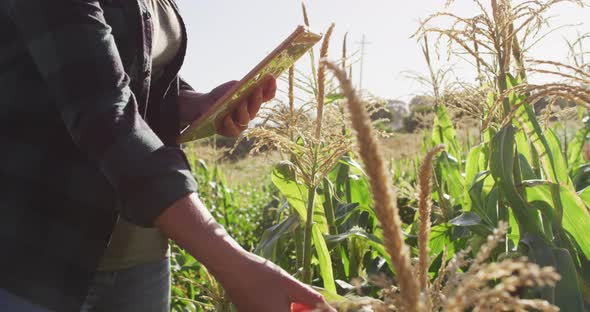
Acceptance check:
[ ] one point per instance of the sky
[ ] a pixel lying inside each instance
(228, 37)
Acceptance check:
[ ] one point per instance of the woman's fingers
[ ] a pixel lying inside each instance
(307, 299)
(306, 296)
(236, 122)
(255, 101)
(241, 115)
(270, 89)
(220, 90)
(229, 127)
(264, 93)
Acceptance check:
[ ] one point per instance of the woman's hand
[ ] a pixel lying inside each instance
(193, 105)
(263, 286)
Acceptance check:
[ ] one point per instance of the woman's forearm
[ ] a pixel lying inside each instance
(192, 104)
(192, 227)
(253, 283)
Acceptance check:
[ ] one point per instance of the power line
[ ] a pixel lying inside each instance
(363, 43)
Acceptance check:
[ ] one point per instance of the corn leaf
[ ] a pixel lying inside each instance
(567, 293)
(472, 168)
(323, 255)
(440, 236)
(330, 296)
(448, 172)
(546, 144)
(581, 176)
(484, 198)
(473, 222)
(585, 196)
(502, 166)
(576, 218)
(375, 242)
(576, 146)
(268, 242)
(443, 132)
(296, 194)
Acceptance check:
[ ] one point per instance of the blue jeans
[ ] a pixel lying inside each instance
(143, 288)
(12, 303)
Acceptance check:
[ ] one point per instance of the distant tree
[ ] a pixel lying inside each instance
(421, 103)
(391, 114)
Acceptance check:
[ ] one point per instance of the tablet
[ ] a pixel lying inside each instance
(275, 63)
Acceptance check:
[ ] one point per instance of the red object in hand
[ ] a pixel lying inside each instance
(299, 307)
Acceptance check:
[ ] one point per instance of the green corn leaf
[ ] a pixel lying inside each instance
(512, 82)
(440, 237)
(580, 176)
(540, 252)
(351, 183)
(523, 145)
(514, 231)
(359, 186)
(443, 132)
(340, 175)
(554, 154)
(479, 184)
(356, 168)
(472, 168)
(330, 296)
(360, 192)
(502, 166)
(323, 254)
(582, 263)
(526, 171)
(484, 198)
(473, 222)
(345, 262)
(333, 97)
(345, 211)
(576, 146)
(448, 171)
(538, 195)
(567, 293)
(296, 194)
(585, 196)
(546, 145)
(551, 160)
(466, 219)
(373, 240)
(268, 242)
(576, 218)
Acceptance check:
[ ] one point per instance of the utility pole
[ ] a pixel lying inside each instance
(363, 43)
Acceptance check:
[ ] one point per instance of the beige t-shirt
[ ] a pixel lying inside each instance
(167, 36)
(132, 245)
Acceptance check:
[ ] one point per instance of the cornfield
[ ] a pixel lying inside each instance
(498, 224)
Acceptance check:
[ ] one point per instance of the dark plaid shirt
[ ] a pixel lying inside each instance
(84, 136)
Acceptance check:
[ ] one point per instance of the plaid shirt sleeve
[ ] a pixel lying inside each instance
(75, 53)
(184, 85)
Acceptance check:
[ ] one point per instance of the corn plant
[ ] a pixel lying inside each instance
(326, 223)
(518, 174)
(450, 291)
